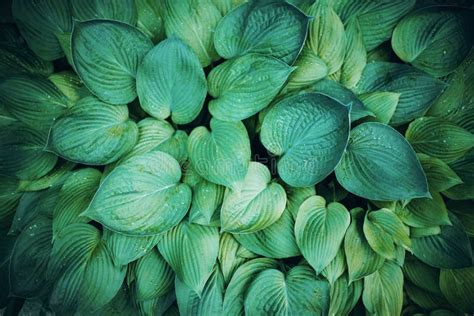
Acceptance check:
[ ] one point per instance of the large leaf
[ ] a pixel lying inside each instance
(93, 132)
(319, 231)
(119, 10)
(254, 205)
(377, 157)
(417, 89)
(222, 154)
(298, 292)
(40, 22)
(439, 175)
(160, 80)
(193, 21)
(142, 196)
(17, 61)
(106, 55)
(273, 28)
(309, 132)
(434, 39)
(458, 287)
(243, 86)
(191, 250)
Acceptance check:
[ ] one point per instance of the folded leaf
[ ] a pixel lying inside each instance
(229, 259)
(309, 69)
(207, 199)
(118, 10)
(382, 104)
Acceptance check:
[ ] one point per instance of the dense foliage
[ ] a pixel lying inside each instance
(225, 157)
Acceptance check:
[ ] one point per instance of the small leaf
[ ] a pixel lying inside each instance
(309, 69)
(207, 199)
(229, 259)
(439, 175)
(382, 104)
(336, 268)
(355, 57)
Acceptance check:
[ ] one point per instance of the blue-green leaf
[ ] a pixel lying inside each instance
(118, 10)
(344, 296)
(17, 61)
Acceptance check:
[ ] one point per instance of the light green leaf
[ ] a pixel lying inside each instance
(193, 21)
(355, 57)
(296, 197)
(344, 296)
(236, 290)
(160, 80)
(229, 259)
(417, 89)
(434, 39)
(383, 290)
(298, 292)
(207, 199)
(93, 132)
(150, 20)
(222, 154)
(361, 259)
(426, 212)
(243, 86)
(273, 28)
(15, 61)
(439, 138)
(458, 287)
(383, 104)
(40, 21)
(118, 10)
(142, 196)
(225, 6)
(377, 157)
(22, 153)
(319, 231)
(191, 250)
(439, 175)
(254, 205)
(309, 132)
(106, 55)
(309, 69)
(70, 85)
(336, 267)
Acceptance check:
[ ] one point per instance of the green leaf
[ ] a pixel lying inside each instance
(361, 259)
(118, 10)
(209, 303)
(417, 89)
(383, 290)
(309, 69)
(228, 257)
(309, 132)
(344, 296)
(254, 205)
(70, 85)
(191, 250)
(336, 267)
(458, 288)
(142, 196)
(225, 6)
(193, 21)
(319, 231)
(439, 175)
(22, 153)
(32, 99)
(74, 198)
(207, 199)
(464, 169)
(40, 22)
(299, 292)
(462, 209)
(15, 61)
(383, 104)
(222, 154)
(93, 132)
(159, 82)
(150, 20)
(450, 249)
(434, 39)
(377, 157)
(422, 275)
(152, 275)
(439, 138)
(106, 55)
(9, 198)
(243, 86)
(426, 212)
(273, 28)
(355, 57)
(86, 278)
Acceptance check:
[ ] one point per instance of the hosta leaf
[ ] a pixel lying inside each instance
(222, 154)
(142, 196)
(426, 212)
(22, 153)
(150, 20)
(462, 209)
(56, 176)
(298, 292)
(159, 82)
(296, 197)
(86, 278)
(193, 21)
(152, 275)
(336, 267)
(434, 39)
(207, 198)
(361, 259)
(93, 132)
(256, 204)
(319, 231)
(309, 132)
(40, 21)
(17, 61)
(106, 55)
(464, 169)
(236, 290)
(439, 175)
(74, 198)
(383, 290)
(417, 89)
(458, 288)
(382, 104)
(450, 249)
(422, 275)
(9, 198)
(309, 69)
(243, 86)
(209, 303)
(377, 157)
(229, 259)
(118, 10)
(355, 57)
(344, 296)
(191, 250)
(272, 28)
(70, 85)
(439, 138)
(225, 6)
(32, 99)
